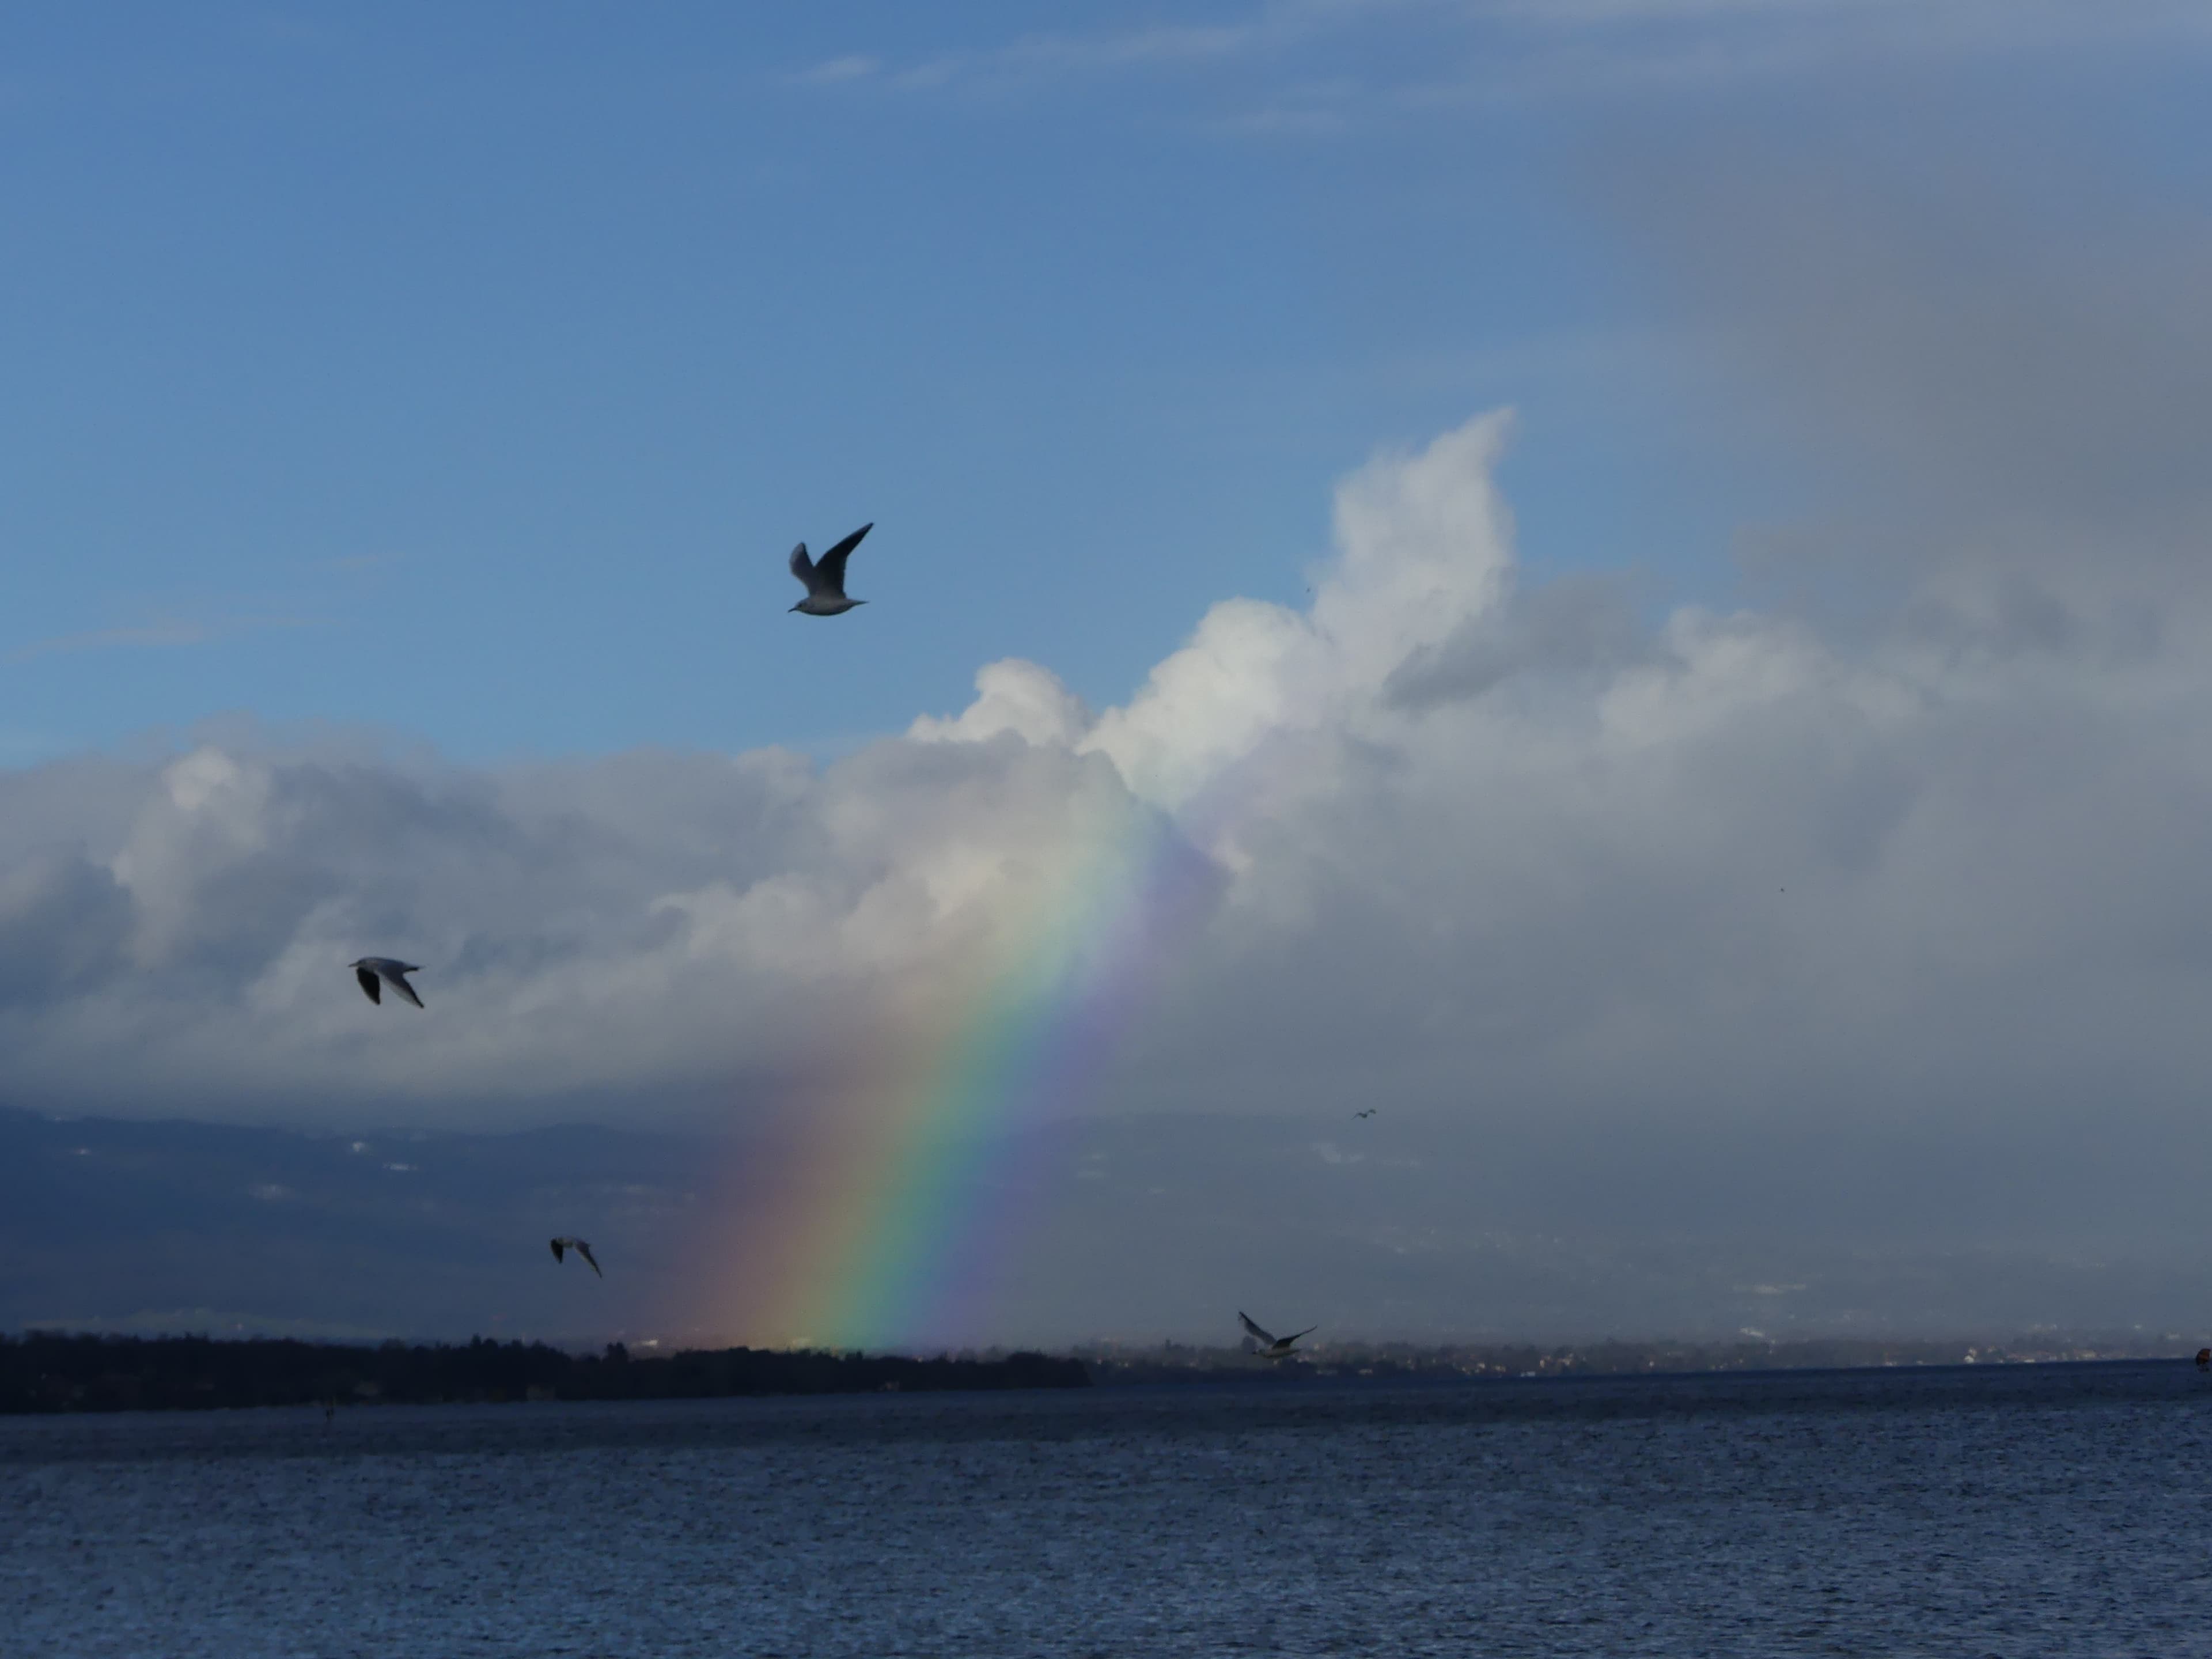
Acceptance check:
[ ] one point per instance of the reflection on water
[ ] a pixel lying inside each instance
(2014, 1511)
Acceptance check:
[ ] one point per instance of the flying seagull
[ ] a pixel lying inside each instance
(1370, 1112)
(370, 970)
(1276, 1348)
(825, 577)
(580, 1248)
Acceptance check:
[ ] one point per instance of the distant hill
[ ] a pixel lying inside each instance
(181, 1227)
(1131, 1229)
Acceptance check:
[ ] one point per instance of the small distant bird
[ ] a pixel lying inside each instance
(1370, 1112)
(825, 577)
(580, 1248)
(1272, 1346)
(370, 970)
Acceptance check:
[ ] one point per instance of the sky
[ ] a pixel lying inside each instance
(1603, 576)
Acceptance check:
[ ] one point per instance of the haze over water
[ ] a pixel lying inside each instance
(2014, 1510)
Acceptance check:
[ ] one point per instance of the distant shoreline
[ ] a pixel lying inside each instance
(47, 1372)
(1114, 1365)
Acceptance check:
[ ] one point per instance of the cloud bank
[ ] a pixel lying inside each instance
(1501, 854)
(660, 928)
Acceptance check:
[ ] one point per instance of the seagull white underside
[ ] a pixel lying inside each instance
(373, 972)
(824, 578)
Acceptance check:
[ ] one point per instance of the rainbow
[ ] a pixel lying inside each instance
(892, 1207)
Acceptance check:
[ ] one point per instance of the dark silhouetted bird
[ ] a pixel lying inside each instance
(1272, 1346)
(370, 970)
(580, 1248)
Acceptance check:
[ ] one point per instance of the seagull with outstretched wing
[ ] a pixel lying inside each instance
(1271, 1346)
(374, 972)
(580, 1248)
(825, 577)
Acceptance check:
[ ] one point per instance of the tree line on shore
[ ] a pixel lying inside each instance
(57, 1371)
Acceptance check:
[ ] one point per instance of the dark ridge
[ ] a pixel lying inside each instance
(52, 1371)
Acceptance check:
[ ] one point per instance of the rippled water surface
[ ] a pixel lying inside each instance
(2024, 1510)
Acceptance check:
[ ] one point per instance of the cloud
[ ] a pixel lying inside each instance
(1011, 697)
(856, 67)
(1423, 549)
(1396, 56)
(1047, 56)
(2002, 325)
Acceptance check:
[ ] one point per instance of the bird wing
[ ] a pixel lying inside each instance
(585, 1251)
(556, 1244)
(830, 567)
(366, 977)
(1253, 1328)
(802, 567)
(1295, 1335)
(398, 978)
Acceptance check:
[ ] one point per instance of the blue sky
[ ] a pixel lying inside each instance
(469, 371)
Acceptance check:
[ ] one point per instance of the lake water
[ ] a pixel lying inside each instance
(2012, 1511)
